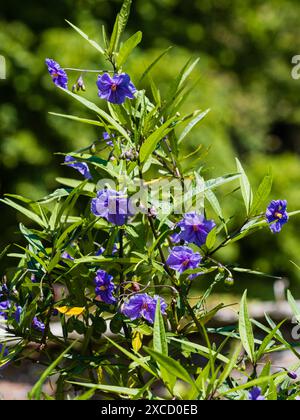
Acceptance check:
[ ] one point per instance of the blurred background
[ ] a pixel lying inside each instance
(244, 76)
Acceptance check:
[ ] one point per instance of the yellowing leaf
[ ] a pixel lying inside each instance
(66, 310)
(137, 341)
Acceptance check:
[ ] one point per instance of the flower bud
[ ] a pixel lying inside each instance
(229, 281)
(292, 375)
(79, 85)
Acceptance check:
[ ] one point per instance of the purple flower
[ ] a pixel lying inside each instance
(81, 167)
(66, 256)
(277, 215)
(194, 228)
(112, 206)
(183, 258)
(107, 137)
(115, 89)
(34, 279)
(105, 287)
(101, 250)
(17, 314)
(255, 394)
(59, 76)
(143, 306)
(38, 325)
(4, 308)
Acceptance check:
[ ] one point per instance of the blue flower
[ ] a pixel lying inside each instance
(66, 256)
(107, 137)
(194, 228)
(59, 76)
(4, 308)
(115, 89)
(143, 306)
(277, 215)
(112, 206)
(18, 312)
(38, 325)
(255, 394)
(183, 258)
(101, 250)
(81, 167)
(105, 287)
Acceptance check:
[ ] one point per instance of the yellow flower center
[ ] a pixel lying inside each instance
(278, 215)
(103, 288)
(114, 87)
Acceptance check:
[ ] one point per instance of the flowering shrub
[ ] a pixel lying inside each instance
(114, 257)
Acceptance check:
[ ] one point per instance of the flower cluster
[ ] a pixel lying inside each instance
(113, 89)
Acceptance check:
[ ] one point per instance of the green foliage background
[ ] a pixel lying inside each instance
(244, 76)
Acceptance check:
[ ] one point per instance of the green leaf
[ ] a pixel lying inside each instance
(230, 366)
(262, 193)
(90, 105)
(120, 390)
(3, 253)
(267, 341)
(192, 124)
(159, 334)
(140, 361)
(202, 350)
(245, 187)
(128, 47)
(211, 239)
(150, 67)
(151, 142)
(85, 36)
(28, 213)
(171, 365)
(119, 26)
(245, 328)
(33, 239)
(78, 119)
(293, 305)
(36, 391)
(57, 194)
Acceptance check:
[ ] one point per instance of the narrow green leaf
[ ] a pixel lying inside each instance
(85, 36)
(78, 119)
(119, 26)
(192, 124)
(293, 305)
(151, 142)
(28, 213)
(90, 105)
(267, 341)
(245, 187)
(245, 328)
(262, 193)
(140, 361)
(202, 350)
(120, 390)
(211, 239)
(171, 365)
(128, 47)
(36, 391)
(150, 67)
